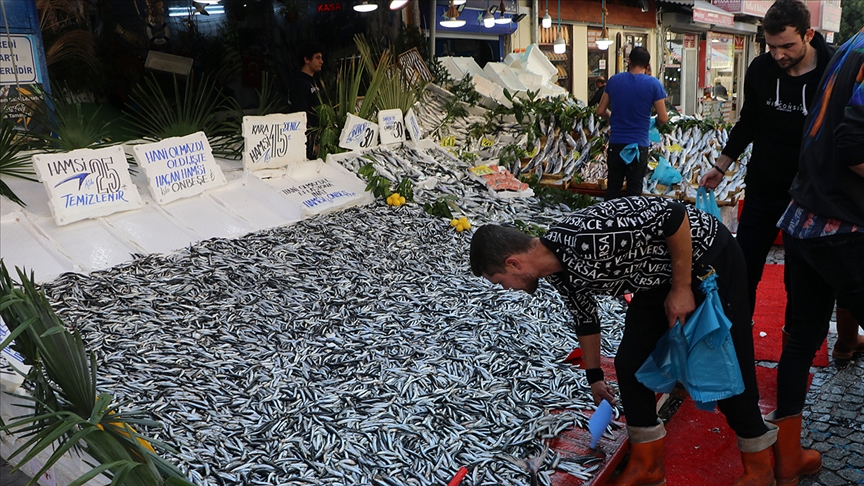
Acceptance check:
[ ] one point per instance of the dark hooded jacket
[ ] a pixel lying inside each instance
(834, 141)
(775, 107)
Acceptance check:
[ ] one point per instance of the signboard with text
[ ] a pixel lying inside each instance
(274, 140)
(756, 8)
(392, 126)
(358, 134)
(712, 15)
(179, 167)
(87, 183)
(412, 126)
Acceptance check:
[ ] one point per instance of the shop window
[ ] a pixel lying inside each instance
(672, 60)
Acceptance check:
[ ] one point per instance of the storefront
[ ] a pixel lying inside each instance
(473, 38)
(706, 52)
(581, 24)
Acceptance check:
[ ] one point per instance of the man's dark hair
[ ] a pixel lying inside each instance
(640, 56)
(787, 13)
(492, 245)
(308, 51)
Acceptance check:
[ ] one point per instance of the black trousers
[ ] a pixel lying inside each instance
(646, 322)
(818, 270)
(634, 172)
(757, 230)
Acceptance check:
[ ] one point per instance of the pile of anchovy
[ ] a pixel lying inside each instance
(351, 348)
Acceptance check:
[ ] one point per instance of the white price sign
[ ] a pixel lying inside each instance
(392, 126)
(179, 167)
(412, 126)
(358, 134)
(273, 141)
(87, 183)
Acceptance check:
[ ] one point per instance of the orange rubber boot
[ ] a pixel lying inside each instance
(756, 457)
(791, 461)
(645, 466)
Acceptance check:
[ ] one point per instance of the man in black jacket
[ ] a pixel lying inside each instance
(824, 243)
(779, 88)
(303, 91)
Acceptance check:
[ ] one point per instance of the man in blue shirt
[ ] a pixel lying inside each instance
(631, 95)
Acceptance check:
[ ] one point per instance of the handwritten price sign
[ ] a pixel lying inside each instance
(273, 141)
(358, 134)
(392, 126)
(412, 125)
(87, 183)
(179, 167)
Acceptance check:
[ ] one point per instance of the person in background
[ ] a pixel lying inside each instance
(823, 239)
(779, 88)
(655, 248)
(720, 90)
(627, 102)
(303, 91)
(600, 82)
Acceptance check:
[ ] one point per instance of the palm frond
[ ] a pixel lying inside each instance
(12, 162)
(67, 413)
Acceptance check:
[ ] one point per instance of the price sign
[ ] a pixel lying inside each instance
(448, 141)
(412, 126)
(392, 126)
(486, 142)
(274, 140)
(87, 183)
(358, 134)
(179, 167)
(481, 170)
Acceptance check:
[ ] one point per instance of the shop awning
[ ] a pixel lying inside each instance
(706, 13)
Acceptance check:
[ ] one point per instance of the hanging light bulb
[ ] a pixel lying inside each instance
(502, 19)
(452, 18)
(365, 6)
(459, 2)
(547, 19)
(488, 17)
(604, 41)
(397, 4)
(559, 47)
(488, 20)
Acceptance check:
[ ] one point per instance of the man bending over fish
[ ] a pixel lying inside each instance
(654, 248)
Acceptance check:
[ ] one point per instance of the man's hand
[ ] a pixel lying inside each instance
(601, 391)
(679, 304)
(713, 177)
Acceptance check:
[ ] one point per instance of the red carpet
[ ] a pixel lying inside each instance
(769, 318)
(701, 445)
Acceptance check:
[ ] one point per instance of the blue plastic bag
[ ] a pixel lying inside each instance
(665, 174)
(653, 132)
(599, 421)
(629, 153)
(706, 201)
(700, 355)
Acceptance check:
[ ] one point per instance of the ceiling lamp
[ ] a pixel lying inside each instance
(397, 4)
(559, 47)
(604, 41)
(502, 19)
(459, 2)
(365, 6)
(452, 18)
(488, 17)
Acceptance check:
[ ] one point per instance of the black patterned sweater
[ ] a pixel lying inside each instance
(619, 247)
